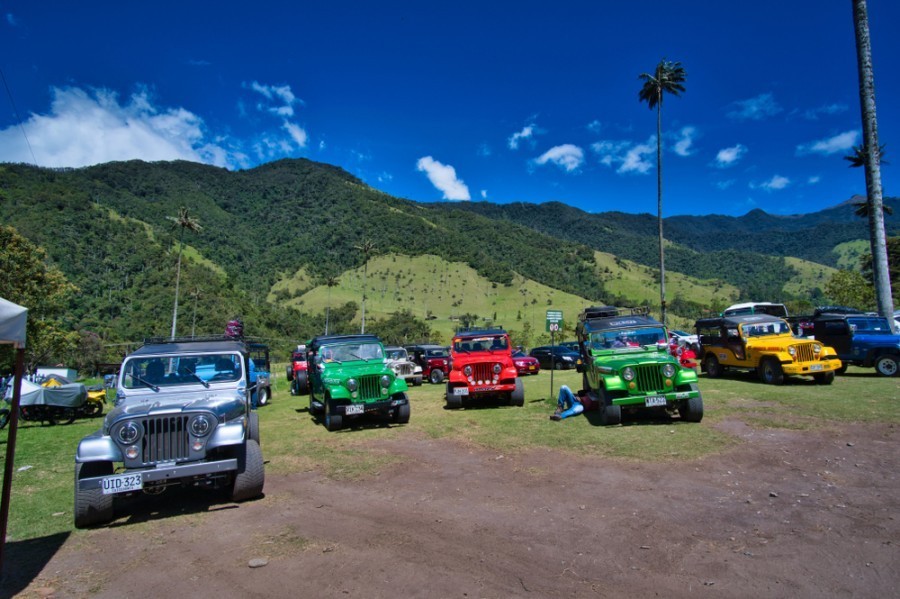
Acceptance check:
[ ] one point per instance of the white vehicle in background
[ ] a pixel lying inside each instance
(397, 358)
(779, 310)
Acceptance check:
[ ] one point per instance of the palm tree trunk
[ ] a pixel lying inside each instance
(177, 282)
(659, 210)
(877, 239)
(365, 273)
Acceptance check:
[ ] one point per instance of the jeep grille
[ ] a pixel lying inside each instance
(804, 353)
(370, 386)
(649, 378)
(165, 439)
(405, 369)
(482, 372)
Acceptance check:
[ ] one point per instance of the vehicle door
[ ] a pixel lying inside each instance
(837, 334)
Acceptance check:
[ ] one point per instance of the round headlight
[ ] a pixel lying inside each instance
(385, 381)
(497, 368)
(467, 371)
(628, 374)
(352, 385)
(792, 350)
(816, 348)
(200, 425)
(129, 433)
(668, 370)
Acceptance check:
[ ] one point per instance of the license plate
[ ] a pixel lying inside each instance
(816, 367)
(460, 390)
(355, 408)
(654, 401)
(122, 483)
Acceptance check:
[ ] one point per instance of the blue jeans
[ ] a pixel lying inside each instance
(567, 403)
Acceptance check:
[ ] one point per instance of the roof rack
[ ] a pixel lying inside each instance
(611, 311)
(495, 330)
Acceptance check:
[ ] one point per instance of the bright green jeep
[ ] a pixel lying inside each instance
(626, 366)
(349, 378)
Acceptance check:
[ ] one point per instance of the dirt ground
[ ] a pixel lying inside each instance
(786, 513)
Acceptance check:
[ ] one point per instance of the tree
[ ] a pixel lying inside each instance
(850, 288)
(872, 159)
(184, 222)
(857, 159)
(330, 281)
(667, 78)
(27, 279)
(366, 247)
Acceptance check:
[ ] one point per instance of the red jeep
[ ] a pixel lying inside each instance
(434, 360)
(296, 372)
(483, 369)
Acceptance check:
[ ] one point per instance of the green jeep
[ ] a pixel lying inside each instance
(627, 367)
(349, 378)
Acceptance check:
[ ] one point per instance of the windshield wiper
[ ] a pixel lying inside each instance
(197, 376)
(145, 382)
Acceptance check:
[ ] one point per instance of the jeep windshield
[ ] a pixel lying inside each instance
(396, 353)
(156, 372)
(351, 352)
(486, 343)
(641, 337)
(766, 329)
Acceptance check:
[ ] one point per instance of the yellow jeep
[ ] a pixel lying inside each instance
(763, 343)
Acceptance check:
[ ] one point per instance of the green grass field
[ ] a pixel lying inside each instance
(291, 441)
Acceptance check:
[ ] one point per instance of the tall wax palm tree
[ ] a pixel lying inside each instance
(667, 78)
(366, 247)
(184, 222)
(330, 281)
(195, 294)
(872, 159)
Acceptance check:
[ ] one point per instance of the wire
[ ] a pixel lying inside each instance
(18, 120)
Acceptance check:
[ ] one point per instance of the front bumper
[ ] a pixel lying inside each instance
(810, 368)
(374, 407)
(168, 472)
(650, 400)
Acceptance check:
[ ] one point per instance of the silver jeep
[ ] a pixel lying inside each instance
(182, 417)
(397, 359)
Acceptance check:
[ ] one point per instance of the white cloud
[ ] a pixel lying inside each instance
(443, 177)
(627, 154)
(595, 126)
(813, 180)
(832, 145)
(755, 109)
(725, 184)
(567, 156)
(685, 140)
(728, 156)
(281, 99)
(484, 194)
(297, 133)
(86, 127)
(776, 183)
(828, 109)
(526, 133)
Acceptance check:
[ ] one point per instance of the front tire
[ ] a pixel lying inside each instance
(401, 415)
(251, 476)
(712, 366)
(263, 396)
(691, 410)
(302, 381)
(887, 365)
(436, 376)
(517, 397)
(254, 426)
(770, 372)
(417, 381)
(92, 507)
(824, 378)
(333, 422)
(454, 402)
(610, 414)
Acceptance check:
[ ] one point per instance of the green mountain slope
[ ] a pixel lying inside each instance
(272, 234)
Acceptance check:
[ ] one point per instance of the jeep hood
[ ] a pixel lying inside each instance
(224, 404)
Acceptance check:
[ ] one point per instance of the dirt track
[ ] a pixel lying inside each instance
(784, 514)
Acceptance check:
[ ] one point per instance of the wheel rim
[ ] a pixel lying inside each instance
(887, 366)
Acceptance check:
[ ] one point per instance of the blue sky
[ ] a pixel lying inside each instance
(503, 101)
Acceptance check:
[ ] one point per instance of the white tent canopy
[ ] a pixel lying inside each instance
(12, 323)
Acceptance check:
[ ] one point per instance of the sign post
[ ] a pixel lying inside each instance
(554, 324)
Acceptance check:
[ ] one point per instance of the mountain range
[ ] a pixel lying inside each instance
(273, 236)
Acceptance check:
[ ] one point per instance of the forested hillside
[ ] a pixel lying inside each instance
(109, 229)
